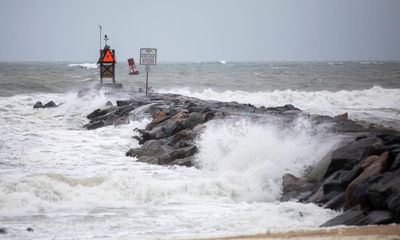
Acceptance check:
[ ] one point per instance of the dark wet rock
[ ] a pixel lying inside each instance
(124, 110)
(112, 115)
(3, 230)
(335, 182)
(109, 104)
(148, 159)
(328, 188)
(312, 197)
(164, 152)
(295, 188)
(389, 139)
(160, 116)
(291, 183)
(352, 217)
(116, 120)
(179, 153)
(38, 105)
(337, 202)
(359, 137)
(360, 195)
(333, 186)
(287, 107)
(396, 163)
(98, 113)
(29, 229)
(186, 162)
(379, 148)
(342, 117)
(379, 217)
(372, 166)
(385, 194)
(371, 182)
(349, 155)
(356, 217)
(121, 103)
(50, 105)
(193, 120)
(325, 198)
(165, 130)
(95, 125)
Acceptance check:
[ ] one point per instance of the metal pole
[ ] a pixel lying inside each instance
(100, 36)
(147, 81)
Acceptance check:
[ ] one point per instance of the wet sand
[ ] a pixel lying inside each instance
(387, 232)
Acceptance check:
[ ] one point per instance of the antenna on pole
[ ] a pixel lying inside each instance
(100, 36)
(106, 39)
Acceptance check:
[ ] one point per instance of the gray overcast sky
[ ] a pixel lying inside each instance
(201, 30)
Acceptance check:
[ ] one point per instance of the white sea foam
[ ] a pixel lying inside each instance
(54, 168)
(374, 104)
(84, 65)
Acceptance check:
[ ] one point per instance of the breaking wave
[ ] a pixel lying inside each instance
(375, 97)
(376, 104)
(84, 65)
(250, 158)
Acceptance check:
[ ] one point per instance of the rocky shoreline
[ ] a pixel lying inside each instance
(361, 178)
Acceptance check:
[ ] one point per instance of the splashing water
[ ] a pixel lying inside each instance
(252, 157)
(65, 181)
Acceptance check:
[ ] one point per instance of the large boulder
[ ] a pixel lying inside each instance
(385, 194)
(193, 120)
(372, 166)
(287, 107)
(396, 163)
(112, 115)
(356, 217)
(94, 125)
(158, 118)
(336, 202)
(342, 117)
(349, 155)
(157, 151)
(49, 104)
(296, 188)
(350, 217)
(379, 217)
(38, 105)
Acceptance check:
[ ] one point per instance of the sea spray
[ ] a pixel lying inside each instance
(250, 157)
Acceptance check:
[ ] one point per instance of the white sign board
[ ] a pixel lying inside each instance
(148, 56)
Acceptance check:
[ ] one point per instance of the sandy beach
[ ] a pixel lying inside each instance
(366, 232)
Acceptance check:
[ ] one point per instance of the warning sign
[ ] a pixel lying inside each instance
(148, 56)
(108, 57)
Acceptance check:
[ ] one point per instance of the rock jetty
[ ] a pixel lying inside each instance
(361, 177)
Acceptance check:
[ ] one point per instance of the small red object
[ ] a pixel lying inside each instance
(132, 67)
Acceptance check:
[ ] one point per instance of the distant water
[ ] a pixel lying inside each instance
(67, 182)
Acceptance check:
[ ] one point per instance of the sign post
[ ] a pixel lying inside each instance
(148, 56)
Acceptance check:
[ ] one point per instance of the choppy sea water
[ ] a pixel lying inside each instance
(66, 182)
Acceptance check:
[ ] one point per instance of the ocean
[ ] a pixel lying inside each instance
(61, 181)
